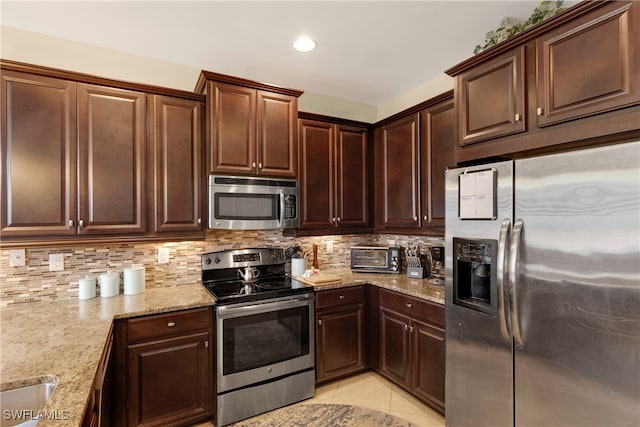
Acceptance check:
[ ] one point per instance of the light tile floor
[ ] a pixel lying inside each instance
(370, 390)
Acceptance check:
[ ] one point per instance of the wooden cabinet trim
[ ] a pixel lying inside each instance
(209, 75)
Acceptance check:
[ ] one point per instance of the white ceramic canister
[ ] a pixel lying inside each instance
(298, 266)
(87, 288)
(134, 280)
(109, 284)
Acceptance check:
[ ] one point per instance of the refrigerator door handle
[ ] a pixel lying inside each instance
(503, 251)
(514, 260)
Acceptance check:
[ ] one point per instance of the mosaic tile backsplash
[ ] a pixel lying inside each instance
(34, 281)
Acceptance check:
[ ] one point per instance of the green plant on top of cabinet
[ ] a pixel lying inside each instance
(333, 176)
(251, 126)
(57, 182)
(176, 163)
(572, 79)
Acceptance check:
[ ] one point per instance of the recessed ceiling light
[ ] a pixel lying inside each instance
(304, 44)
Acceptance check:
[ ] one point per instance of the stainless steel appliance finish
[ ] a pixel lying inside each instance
(553, 336)
(265, 334)
(375, 259)
(247, 203)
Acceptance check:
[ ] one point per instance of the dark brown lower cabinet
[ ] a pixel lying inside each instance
(98, 410)
(412, 346)
(339, 333)
(166, 370)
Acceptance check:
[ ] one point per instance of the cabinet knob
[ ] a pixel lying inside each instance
(171, 324)
(341, 297)
(81, 223)
(539, 111)
(426, 218)
(339, 219)
(70, 223)
(411, 329)
(253, 165)
(320, 322)
(206, 343)
(415, 218)
(517, 117)
(409, 305)
(406, 326)
(333, 219)
(259, 165)
(199, 221)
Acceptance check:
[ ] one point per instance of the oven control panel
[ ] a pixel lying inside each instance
(235, 258)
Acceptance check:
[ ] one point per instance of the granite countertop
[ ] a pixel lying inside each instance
(419, 288)
(65, 339)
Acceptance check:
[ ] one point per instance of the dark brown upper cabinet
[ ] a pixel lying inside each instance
(39, 154)
(397, 173)
(333, 176)
(571, 81)
(491, 98)
(438, 153)
(412, 151)
(112, 143)
(250, 126)
(176, 165)
(81, 153)
(57, 182)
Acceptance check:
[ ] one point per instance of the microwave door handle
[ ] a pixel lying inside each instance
(280, 209)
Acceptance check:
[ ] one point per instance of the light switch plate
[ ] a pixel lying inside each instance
(329, 246)
(17, 257)
(163, 255)
(56, 262)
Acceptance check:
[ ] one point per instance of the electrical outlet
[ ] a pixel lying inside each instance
(391, 242)
(163, 255)
(329, 246)
(17, 258)
(56, 262)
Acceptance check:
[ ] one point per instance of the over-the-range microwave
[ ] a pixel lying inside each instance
(248, 203)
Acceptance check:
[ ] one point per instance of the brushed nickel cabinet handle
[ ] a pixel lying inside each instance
(171, 324)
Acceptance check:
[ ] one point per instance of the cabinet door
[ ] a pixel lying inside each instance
(395, 344)
(232, 118)
(276, 134)
(168, 381)
(428, 363)
(398, 174)
(177, 165)
(438, 153)
(112, 160)
(38, 156)
(316, 174)
(491, 98)
(589, 65)
(339, 343)
(352, 202)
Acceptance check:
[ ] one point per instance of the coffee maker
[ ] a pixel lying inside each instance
(435, 258)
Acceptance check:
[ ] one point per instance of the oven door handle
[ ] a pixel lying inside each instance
(230, 311)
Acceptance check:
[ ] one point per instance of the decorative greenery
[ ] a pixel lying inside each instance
(546, 9)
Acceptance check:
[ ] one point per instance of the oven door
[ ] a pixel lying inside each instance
(264, 340)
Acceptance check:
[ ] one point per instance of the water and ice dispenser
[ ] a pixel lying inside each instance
(474, 274)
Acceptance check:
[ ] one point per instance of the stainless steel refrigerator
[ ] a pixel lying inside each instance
(543, 290)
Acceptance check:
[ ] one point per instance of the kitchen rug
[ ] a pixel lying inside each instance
(324, 415)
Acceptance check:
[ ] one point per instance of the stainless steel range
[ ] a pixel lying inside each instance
(265, 339)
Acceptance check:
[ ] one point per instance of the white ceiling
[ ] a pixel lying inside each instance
(368, 52)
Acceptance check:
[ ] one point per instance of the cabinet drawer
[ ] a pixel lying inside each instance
(341, 296)
(163, 325)
(412, 306)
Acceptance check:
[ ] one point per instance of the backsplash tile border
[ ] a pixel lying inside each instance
(34, 281)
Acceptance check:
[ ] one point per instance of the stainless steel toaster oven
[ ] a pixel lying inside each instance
(375, 259)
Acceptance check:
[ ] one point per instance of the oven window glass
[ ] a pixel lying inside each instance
(263, 339)
(247, 206)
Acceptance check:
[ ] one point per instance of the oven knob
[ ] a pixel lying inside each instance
(207, 261)
(269, 370)
(217, 260)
